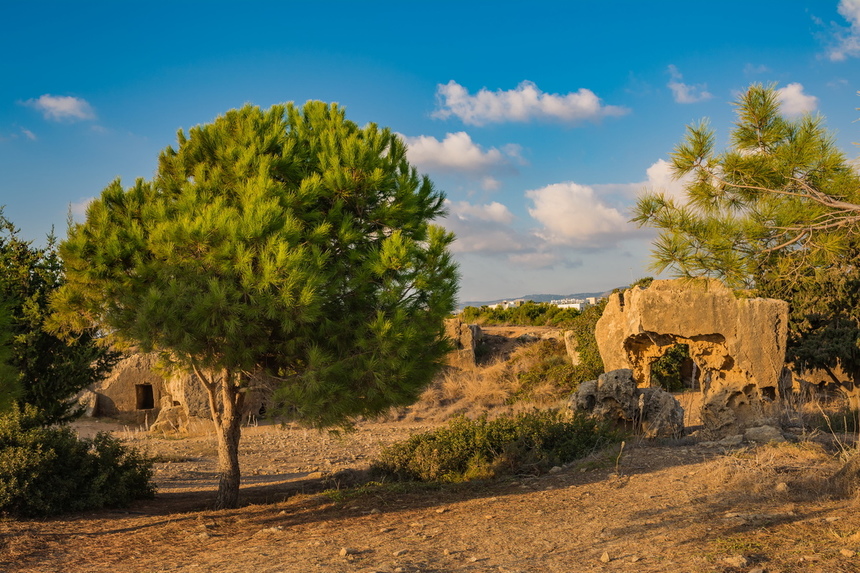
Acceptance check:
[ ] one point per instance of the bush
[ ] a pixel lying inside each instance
(49, 470)
(527, 314)
(481, 449)
(666, 371)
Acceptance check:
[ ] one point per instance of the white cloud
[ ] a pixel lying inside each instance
(79, 209)
(662, 179)
(524, 103)
(846, 40)
(457, 152)
(573, 214)
(542, 260)
(794, 102)
(494, 211)
(755, 70)
(59, 108)
(28, 134)
(686, 93)
(482, 228)
(490, 183)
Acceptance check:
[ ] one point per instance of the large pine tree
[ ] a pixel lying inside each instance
(289, 243)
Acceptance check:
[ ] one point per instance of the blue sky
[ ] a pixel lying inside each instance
(540, 121)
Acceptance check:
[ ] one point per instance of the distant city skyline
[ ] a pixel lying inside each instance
(541, 124)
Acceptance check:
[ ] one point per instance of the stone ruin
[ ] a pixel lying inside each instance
(465, 338)
(137, 389)
(736, 344)
(615, 396)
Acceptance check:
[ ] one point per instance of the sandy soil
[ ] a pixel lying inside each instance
(651, 507)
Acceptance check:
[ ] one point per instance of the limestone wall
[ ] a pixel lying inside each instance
(737, 343)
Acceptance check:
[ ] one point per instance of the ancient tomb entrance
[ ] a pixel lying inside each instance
(675, 370)
(145, 397)
(736, 344)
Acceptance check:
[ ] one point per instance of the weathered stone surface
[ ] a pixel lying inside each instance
(172, 402)
(118, 393)
(570, 345)
(615, 396)
(465, 337)
(738, 344)
(89, 400)
(763, 435)
(170, 420)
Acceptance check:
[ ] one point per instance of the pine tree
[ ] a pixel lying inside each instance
(778, 212)
(289, 243)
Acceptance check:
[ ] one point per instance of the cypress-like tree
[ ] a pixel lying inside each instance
(289, 243)
(37, 367)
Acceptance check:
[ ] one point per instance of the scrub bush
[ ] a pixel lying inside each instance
(467, 449)
(49, 470)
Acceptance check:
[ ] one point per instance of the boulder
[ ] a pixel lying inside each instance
(763, 435)
(737, 345)
(89, 401)
(465, 338)
(570, 345)
(614, 396)
(171, 420)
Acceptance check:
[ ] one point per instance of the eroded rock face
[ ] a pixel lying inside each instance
(737, 344)
(132, 386)
(465, 338)
(615, 396)
(170, 402)
(571, 346)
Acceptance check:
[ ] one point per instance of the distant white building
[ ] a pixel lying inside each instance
(506, 304)
(577, 303)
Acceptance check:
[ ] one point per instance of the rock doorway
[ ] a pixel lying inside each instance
(736, 345)
(144, 397)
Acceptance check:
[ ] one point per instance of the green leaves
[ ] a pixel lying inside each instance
(777, 211)
(288, 240)
(38, 367)
(781, 185)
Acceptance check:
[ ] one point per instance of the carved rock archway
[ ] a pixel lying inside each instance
(738, 344)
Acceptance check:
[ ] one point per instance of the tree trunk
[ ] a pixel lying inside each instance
(227, 417)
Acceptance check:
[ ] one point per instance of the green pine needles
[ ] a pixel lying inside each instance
(777, 212)
(781, 193)
(289, 243)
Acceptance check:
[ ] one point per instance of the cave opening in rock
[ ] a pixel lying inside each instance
(675, 370)
(145, 396)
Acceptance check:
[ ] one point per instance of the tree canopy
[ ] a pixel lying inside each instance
(36, 367)
(778, 212)
(289, 242)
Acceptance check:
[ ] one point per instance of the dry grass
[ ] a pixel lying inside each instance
(491, 387)
(778, 472)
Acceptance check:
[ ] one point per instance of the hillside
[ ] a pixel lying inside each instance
(535, 298)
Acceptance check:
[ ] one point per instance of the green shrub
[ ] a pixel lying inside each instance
(666, 371)
(480, 449)
(527, 314)
(49, 470)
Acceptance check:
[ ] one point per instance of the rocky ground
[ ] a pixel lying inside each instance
(650, 507)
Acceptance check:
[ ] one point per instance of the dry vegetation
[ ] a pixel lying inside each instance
(646, 507)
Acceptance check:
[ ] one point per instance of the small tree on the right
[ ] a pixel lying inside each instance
(778, 212)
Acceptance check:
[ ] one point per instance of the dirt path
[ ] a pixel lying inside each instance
(668, 508)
